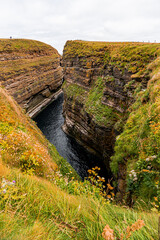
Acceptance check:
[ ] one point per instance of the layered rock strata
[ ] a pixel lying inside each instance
(101, 82)
(83, 63)
(78, 123)
(31, 72)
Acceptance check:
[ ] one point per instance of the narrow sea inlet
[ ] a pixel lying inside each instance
(50, 121)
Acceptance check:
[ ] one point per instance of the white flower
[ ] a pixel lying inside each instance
(3, 180)
(4, 190)
(66, 180)
(154, 157)
(147, 159)
(130, 175)
(4, 184)
(149, 167)
(11, 183)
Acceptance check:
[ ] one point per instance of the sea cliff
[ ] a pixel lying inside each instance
(41, 196)
(103, 81)
(31, 72)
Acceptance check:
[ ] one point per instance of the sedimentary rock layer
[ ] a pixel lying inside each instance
(84, 63)
(102, 81)
(31, 72)
(82, 126)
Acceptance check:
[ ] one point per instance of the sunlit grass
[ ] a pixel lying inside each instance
(46, 212)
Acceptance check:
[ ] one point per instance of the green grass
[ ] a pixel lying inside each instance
(41, 210)
(24, 46)
(75, 91)
(102, 114)
(92, 101)
(64, 166)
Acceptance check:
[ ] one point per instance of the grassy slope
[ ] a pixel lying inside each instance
(37, 209)
(46, 206)
(22, 144)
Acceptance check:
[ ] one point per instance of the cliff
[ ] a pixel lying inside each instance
(40, 196)
(102, 82)
(31, 72)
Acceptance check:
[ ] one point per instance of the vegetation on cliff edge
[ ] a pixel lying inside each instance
(138, 145)
(24, 46)
(133, 56)
(92, 101)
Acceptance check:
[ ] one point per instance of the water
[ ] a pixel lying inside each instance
(50, 121)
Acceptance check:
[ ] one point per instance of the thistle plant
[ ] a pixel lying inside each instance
(108, 233)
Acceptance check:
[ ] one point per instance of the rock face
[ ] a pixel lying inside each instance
(82, 126)
(80, 123)
(84, 63)
(31, 72)
(101, 80)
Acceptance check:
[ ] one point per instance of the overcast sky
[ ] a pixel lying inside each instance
(56, 21)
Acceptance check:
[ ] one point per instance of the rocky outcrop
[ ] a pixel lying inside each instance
(101, 83)
(31, 72)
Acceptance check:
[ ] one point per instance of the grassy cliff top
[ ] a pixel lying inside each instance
(25, 46)
(87, 48)
(133, 56)
(18, 56)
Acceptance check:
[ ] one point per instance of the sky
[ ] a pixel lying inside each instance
(56, 21)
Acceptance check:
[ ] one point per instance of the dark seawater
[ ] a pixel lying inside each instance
(50, 121)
